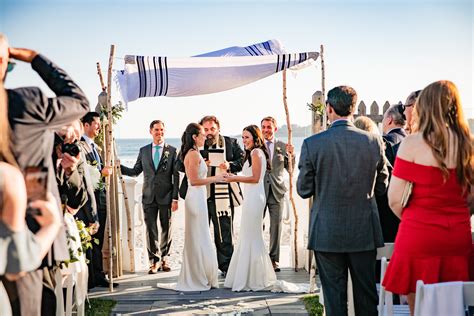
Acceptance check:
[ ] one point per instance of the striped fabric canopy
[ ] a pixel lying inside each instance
(229, 68)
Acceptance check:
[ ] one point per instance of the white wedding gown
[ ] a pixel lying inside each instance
(199, 266)
(250, 268)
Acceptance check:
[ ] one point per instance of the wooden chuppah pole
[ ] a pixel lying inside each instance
(118, 172)
(290, 170)
(108, 157)
(323, 89)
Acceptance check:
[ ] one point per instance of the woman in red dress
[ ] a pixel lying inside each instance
(434, 241)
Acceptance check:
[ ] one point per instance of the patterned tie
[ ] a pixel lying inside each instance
(156, 156)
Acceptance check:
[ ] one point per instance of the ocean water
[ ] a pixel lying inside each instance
(128, 148)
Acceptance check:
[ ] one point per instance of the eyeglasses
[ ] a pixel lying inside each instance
(11, 66)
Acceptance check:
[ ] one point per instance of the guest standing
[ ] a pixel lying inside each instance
(434, 239)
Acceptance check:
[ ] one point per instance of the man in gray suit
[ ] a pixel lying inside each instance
(160, 192)
(342, 168)
(275, 184)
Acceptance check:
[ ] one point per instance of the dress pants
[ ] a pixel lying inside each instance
(96, 266)
(224, 247)
(158, 247)
(25, 294)
(275, 210)
(333, 269)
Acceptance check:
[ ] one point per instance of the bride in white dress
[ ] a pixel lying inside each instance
(199, 266)
(250, 268)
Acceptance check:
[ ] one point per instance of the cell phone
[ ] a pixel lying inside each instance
(36, 181)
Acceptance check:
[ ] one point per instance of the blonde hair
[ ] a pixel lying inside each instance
(5, 150)
(439, 112)
(366, 124)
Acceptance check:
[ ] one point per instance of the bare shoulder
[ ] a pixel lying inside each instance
(410, 145)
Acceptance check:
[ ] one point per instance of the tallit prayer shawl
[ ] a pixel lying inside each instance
(152, 76)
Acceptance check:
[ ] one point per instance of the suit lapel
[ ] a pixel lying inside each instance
(149, 154)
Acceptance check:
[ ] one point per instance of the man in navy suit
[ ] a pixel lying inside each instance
(342, 169)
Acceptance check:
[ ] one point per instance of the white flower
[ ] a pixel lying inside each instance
(94, 175)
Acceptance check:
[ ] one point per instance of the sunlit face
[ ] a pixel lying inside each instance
(268, 129)
(92, 129)
(158, 133)
(247, 140)
(409, 115)
(200, 138)
(211, 130)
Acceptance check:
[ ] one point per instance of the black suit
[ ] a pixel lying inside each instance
(160, 188)
(96, 269)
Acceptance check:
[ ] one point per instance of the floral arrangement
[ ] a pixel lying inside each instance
(78, 248)
(316, 108)
(96, 177)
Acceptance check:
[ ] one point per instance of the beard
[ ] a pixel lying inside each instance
(211, 140)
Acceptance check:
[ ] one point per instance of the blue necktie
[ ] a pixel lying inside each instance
(96, 156)
(156, 156)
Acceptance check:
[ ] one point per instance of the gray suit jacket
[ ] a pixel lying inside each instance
(274, 177)
(160, 185)
(342, 168)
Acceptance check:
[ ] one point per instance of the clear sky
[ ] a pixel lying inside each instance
(384, 49)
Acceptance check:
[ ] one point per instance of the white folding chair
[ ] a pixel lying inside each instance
(386, 307)
(447, 287)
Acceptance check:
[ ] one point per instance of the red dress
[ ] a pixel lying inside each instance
(433, 243)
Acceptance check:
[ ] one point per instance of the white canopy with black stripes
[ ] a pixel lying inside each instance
(229, 68)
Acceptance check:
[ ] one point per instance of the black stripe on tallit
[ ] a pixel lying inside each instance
(156, 76)
(256, 54)
(289, 61)
(249, 51)
(267, 47)
(161, 76)
(166, 78)
(259, 51)
(278, 63)
(283, 62)
(144, 77)
(140, 75)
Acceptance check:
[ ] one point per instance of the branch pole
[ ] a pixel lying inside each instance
(109, 162)
(128, 213)
(101, 78)
(290, 170)
(323, 88)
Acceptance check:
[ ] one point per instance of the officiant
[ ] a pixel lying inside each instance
(222, 197)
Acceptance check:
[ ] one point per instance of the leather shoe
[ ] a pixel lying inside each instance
(105, 283)
(276, 268)
(165, 267)
(154, 268)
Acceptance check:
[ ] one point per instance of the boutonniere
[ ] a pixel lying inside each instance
(278, 150)
(166, 154)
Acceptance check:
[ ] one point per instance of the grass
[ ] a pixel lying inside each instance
(314, 308)
(99, 307)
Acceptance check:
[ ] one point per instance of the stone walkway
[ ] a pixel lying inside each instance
(138, 295)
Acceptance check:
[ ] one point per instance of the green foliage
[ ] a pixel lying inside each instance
(117, 111)
(317, 108)
(314, 308)
(99, 307)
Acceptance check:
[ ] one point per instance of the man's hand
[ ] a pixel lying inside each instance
(224, 166)
(290, 149)
(23, 54)
(174, 206)
(107, 171)
(69, 163)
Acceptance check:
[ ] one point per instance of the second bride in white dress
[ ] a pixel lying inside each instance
(250, 268)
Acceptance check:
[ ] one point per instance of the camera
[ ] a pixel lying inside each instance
(71, 149)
